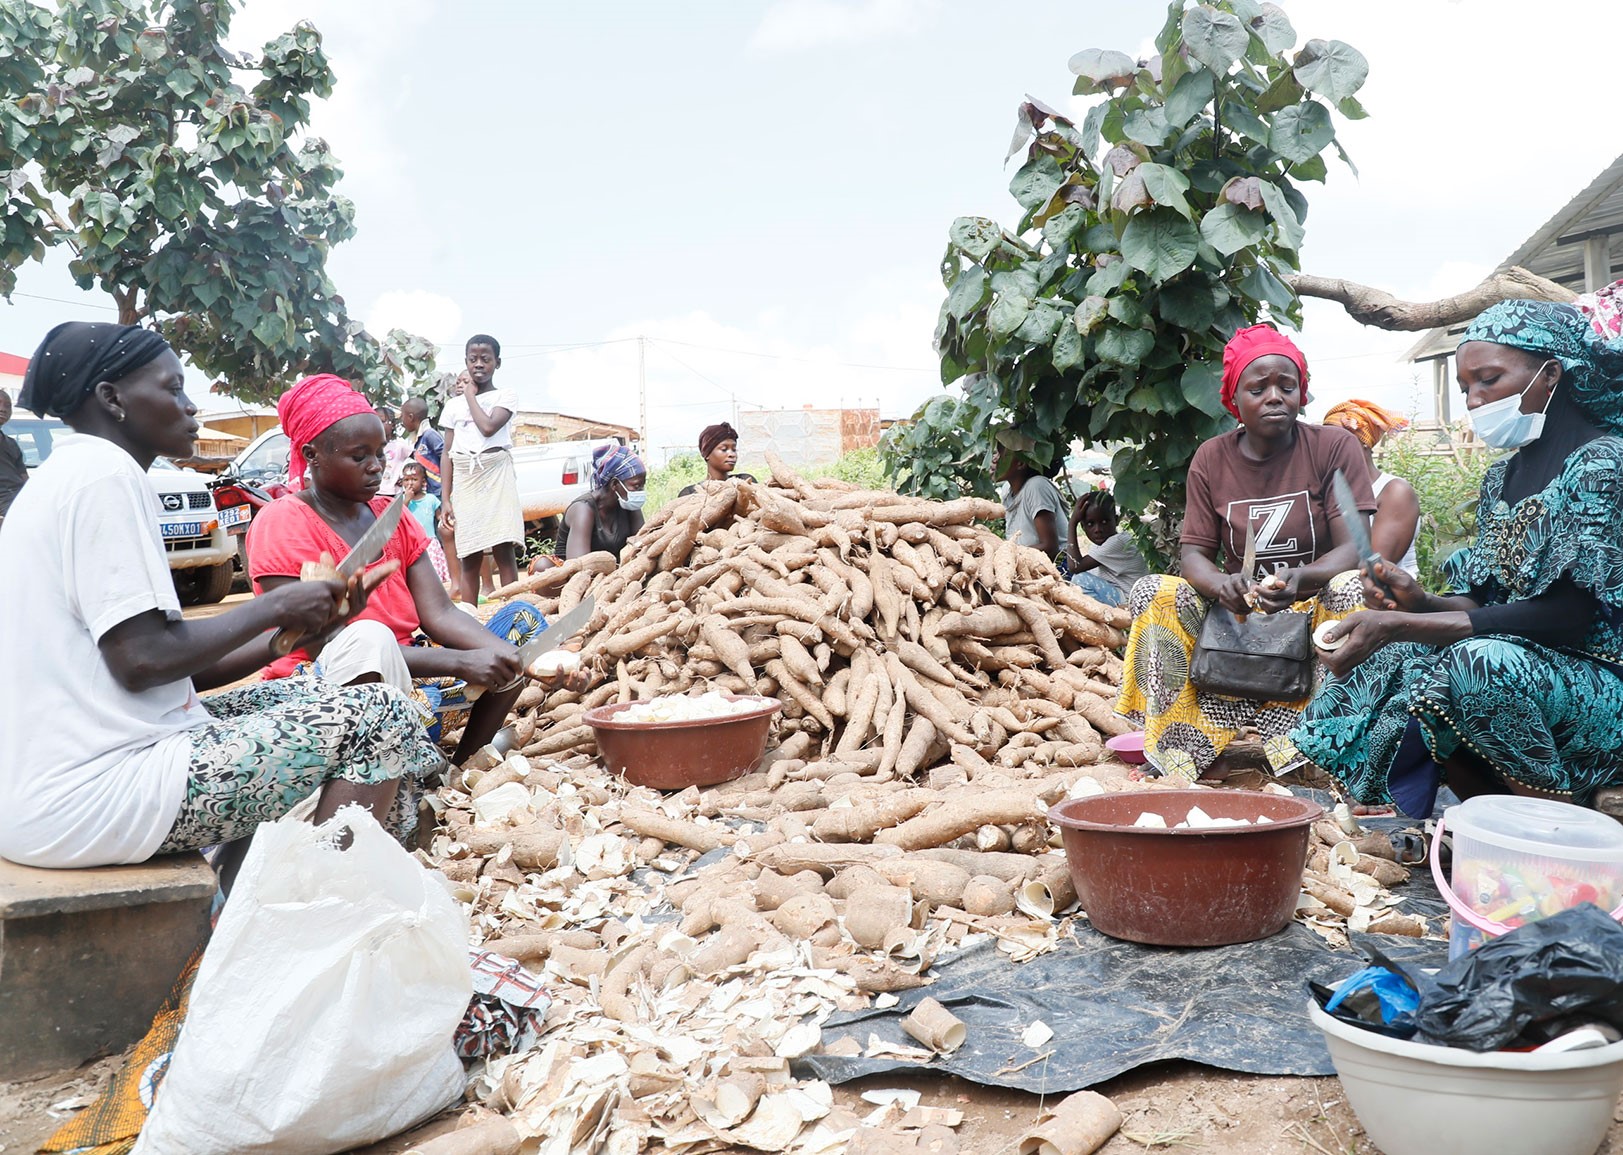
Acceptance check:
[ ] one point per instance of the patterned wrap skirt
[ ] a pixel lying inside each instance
(1540, 718)
(1185, 729)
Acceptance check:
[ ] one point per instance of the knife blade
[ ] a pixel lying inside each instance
(362, 554)
(1353, 518)
(558, 631)
(1248, 563)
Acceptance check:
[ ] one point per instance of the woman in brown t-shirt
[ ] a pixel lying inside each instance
(1273, 475)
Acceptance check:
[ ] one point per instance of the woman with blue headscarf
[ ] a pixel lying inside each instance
(609, 516)
(1510, 683)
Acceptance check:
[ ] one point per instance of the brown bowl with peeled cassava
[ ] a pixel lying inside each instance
(677, 754)
(1202, 886)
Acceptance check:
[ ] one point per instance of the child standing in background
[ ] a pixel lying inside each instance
(425, 507)
(1112, 564)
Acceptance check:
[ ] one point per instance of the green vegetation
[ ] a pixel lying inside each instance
(180, 177)
(1151, 231)
(1447, 486)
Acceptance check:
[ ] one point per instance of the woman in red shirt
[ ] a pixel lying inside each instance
(336, 465)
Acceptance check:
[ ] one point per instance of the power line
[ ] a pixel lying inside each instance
(659, 343)
(65, 301)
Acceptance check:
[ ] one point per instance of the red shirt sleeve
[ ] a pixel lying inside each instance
(287, 533)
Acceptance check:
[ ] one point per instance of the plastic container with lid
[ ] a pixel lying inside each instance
(1517, 860)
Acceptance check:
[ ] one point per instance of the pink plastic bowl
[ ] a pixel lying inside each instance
(1128, 748)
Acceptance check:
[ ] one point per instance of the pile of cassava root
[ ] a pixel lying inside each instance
(897, 634)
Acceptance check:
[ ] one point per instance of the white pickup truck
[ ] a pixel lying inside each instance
(199, 548)
(552, 475)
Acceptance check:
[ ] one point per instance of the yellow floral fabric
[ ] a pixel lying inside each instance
(1185, 729)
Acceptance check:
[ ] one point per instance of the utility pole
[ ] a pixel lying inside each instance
(642, 391)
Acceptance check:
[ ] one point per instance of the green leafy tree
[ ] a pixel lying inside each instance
(1149, 233)
(130, 134)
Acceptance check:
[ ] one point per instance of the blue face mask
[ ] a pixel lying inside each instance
(1501, 424)
(632, 501)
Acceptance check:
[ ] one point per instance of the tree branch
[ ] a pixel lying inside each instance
(1374, 307)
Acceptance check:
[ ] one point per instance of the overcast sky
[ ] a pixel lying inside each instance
(763, 189)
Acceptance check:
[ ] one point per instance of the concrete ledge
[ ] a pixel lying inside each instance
(28, 891)
(87, 956)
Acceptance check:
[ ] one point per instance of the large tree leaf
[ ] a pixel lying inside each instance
(1091, 124)
(1192, 93)
(1101, 69)
(1290, 228)
(1007, 314)
(968, 293)
(1036, 181)
(1332, 68)
(1302, 131)
(1159, 243)
(1187, 302)
(1131, 193)
(1215, 38)
(1244, 191)
(1067, 350)
(1261, 284)
(1109, 278)
(1090, 314)
(1166, 185)
(1202, 385)
(1148, 126)
(1229, 228)
(1123, 346)
(1040, 325)
(1273, 28)
(1059, 229)
(1247, 123)
(976, 236)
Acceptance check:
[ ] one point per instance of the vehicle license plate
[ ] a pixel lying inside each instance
(235, 515)
(184, 529)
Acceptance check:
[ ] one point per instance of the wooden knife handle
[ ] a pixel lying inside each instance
(285, 641)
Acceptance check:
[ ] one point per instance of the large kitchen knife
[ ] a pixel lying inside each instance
(1353, 518)
(362, 554)
(558, 631)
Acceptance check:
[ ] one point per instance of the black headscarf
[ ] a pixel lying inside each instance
(76, 356)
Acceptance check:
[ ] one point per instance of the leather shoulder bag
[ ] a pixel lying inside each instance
(1263, 657)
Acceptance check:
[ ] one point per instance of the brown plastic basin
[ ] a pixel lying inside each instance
(676, 755)
(1186, 887)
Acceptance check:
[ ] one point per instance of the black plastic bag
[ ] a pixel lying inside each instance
(1528, 986)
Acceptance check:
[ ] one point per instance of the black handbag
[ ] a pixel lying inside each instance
(1263, 657)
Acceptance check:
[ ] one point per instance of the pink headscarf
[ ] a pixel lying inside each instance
(1245, 347)
(309, 409)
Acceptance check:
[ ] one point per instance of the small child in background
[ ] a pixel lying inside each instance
(425, 507)
(1109, 569)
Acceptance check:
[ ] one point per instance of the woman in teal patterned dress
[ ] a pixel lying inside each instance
(1512, 683)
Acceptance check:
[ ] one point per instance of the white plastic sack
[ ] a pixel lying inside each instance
(325, 1004)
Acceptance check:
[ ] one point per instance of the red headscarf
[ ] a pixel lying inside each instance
(309, 409)
(1245, 347)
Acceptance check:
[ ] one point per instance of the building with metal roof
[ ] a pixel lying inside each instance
(1579, 248)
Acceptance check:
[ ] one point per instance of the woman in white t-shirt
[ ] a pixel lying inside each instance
(107, 754)
(478, 466)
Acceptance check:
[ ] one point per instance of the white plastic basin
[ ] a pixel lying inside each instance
(1416, 1099)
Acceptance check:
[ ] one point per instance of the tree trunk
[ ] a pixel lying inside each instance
(128, 314)
(1384, 311)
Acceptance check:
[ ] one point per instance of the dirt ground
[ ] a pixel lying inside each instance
(1171, 1106)
(1168, 1107)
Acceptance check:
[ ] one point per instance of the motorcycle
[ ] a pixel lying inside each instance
(237, 501)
